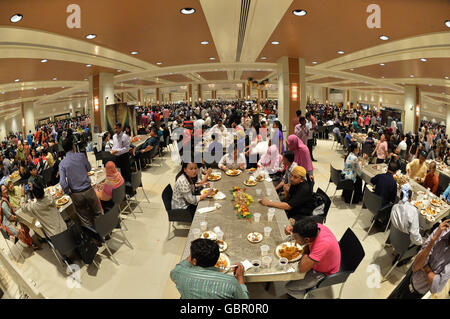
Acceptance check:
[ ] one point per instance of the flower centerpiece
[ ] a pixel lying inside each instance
(243, 200)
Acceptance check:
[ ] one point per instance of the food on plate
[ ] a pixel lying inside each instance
(290, 252)
(436, 202)
(252, 170)
(222, 245)
(62, 201)
(15, 174)
(259, 178)
(206, 190)
(430, 211)
(419, 204)
(214, 177)
(222, 262)
(233, 172)
(209, 235)
(90, 173)
(250, 182)
(254, 237)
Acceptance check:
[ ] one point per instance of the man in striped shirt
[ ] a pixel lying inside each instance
(197, 278)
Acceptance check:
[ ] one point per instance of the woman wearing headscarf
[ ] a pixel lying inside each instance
(272, 161)
(301, 153)
(113, 180)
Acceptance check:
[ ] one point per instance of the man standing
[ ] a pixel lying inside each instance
(121, 147)
(74, 180)
(302, 131)
(197, 278)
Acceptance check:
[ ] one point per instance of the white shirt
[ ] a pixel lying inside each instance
(330, 122)
(229, 162)
(402, 146)
(121, 143)
(309, 125)
(405, 217)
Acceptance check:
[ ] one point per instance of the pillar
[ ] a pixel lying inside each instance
(199, 93)
(239, 94)
(291, 89)
(326, 96)
(28, 117)
(101, 92)
(447, 126)
(3, 132)
(244, 96)
(347, 99)
(139, 97)
(412, 109)
(190, 101)
(249, 91)
(170, 97)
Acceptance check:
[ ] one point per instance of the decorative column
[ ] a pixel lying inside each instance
(291, 88)
(101, 92)
(249, 92)
(412, 108)
(28, 117)
(190, 101)
(139, 97)
(326, 96)
(3, 132)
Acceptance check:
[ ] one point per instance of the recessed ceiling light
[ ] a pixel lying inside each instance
(447, 23)
(158, 63)
(446, 77)
(119, 71)
(44, 61)
(411, 76)
(340, 52)
(54, 79)
(90, 36)
(384, 37)
(299, 13)
(16, 80)
(16, 18)
(275, 42)
(382, 77)
(429, 85)
(187, 11)
(423, 60)
(35, 89)
(204, 42)
(352, 69)
(212, 59)
(382, 64)
(88, 65)
(134, 52)
(314, 62)
(263, 58)
(62, 87)
(85, 79)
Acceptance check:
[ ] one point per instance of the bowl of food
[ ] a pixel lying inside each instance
(250, 182)
(292, 251)
(259, 178)
(251, 170)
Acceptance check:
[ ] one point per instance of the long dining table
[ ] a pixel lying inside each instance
(67, 210)
(236, 230)
(369, 171)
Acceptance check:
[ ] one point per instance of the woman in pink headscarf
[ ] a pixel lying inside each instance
(272, 160)
(301, 153)
(113, 180)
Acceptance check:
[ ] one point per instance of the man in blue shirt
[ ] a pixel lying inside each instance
(385, 184)
(446, 195)
(74, 180)
(148, 145)
(30, 138)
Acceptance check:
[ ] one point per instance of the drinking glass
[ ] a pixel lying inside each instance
(264, 250)
(267, 231)
(257, 217)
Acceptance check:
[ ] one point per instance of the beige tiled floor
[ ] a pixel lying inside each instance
(144, 271)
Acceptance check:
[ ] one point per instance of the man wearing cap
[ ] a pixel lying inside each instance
(297, 194)
(417, 169)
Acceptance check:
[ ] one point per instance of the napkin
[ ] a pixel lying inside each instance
(268, 179)
(219, 196)
(206, 210)
(247, 265)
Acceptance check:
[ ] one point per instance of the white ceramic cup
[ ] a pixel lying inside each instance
(256, 264)
(283, 263)
(264, 250)
(204, 225)
(196, 233)
(257, 217)
(267, 231)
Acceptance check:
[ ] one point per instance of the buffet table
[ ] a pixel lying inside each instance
(236, 230)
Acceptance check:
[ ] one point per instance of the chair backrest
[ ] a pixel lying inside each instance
(4, 233)
(372, 201)
(47, 175)
(327, 201)
(352, 252)
(105, 224)
(335, 175)
(167, 197)
(64, 242)
(443, 183)
(367, 149)
(399, 240)
(136, 178)
(118, 194)
(403, 166)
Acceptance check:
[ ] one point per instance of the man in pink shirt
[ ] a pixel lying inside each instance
(321, 258)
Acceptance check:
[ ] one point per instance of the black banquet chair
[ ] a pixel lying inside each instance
(175, 215)
(352, 253)
(341, 184)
